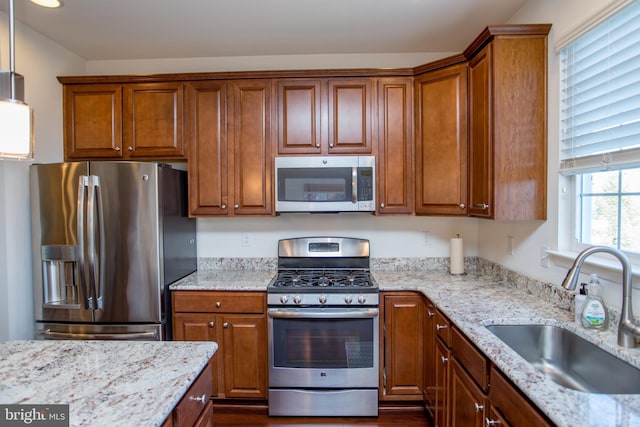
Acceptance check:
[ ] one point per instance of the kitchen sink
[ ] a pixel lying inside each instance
(569, 360)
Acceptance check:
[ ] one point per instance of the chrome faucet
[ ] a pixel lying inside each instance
(628, 330)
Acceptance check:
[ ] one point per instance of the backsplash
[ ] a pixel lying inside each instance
(545, 291)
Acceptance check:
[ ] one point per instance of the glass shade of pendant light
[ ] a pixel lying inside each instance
(16, 117)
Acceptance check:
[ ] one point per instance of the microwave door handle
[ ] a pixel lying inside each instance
(83, 183)
(354, 185)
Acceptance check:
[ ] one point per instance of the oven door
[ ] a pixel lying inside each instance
(323, 347)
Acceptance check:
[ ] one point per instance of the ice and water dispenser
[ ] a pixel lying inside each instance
(60, 275)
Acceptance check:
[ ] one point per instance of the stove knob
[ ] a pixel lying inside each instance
(297, 299)
(323, 299)
(362, 299)
(348, 299)
(284, 299)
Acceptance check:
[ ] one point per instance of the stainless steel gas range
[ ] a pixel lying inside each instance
(323, 329)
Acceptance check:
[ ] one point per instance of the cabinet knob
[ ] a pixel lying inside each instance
(236, 206)
(130, 148)
(331, 145)
(218, 304)
(478, 407)
(444, 359)
(462, 206)
(202, 399)
(482, 206)
(225, 325)
(212, 324)
(439, 327)
(381, 205)
(489, 422)
(223, 206)
(317, 145)
(117, 148)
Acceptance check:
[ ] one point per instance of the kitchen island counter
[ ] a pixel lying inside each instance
(105, 383)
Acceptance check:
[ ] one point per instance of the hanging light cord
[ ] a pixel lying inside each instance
(12, 49)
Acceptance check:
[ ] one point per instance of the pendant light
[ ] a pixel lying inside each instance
(16, 117)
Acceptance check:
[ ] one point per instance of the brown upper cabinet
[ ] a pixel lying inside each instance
(394, 160)
(324, 116)
(228, 126)
(508, 124)
(441, 141)
(123, 121)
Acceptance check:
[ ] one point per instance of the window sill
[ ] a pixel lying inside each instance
(606, 267)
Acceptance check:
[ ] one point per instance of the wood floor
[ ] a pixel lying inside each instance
(226, 417)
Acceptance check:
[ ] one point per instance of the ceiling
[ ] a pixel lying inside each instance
(145, 29)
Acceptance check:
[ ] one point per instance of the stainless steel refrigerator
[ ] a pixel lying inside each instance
(108, 239)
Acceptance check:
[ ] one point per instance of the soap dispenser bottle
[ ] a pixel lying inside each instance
(579, 300)
(594, 312)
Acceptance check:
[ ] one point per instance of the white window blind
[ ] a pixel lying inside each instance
(600, 96)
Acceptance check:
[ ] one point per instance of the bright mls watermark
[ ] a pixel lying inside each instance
(34, 415)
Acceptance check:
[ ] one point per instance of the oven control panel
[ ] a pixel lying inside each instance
(323, 299)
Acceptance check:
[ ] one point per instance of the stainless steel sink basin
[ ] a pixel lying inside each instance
(569, 360)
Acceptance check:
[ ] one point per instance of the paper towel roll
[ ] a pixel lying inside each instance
(456, 256)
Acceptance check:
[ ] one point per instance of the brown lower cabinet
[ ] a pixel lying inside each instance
(464, 389)
(237, 322)
(195, 408)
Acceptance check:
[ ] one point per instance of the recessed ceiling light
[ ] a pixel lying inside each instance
(48, 3)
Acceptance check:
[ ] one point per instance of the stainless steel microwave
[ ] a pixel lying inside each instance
(325, 184)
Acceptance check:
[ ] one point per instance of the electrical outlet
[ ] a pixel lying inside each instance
(247, 239)
(426, 235)
(544, 256)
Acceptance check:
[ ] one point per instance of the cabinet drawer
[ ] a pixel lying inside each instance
(218, 302)
(443, 328)
(191, 405)
(473, 361)
(512, 405)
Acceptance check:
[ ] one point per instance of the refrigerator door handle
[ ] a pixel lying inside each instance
(94, 208)
(83, 183)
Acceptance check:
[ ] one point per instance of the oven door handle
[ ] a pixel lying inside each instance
(359, 314)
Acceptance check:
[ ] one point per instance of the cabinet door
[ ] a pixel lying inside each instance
(153, 120)
(480, 140)
(429, 357)
(395, 146)
(245, 349)
(199, 327)
(250, 139)
(350, 116)
(441, 142)
(467, 400)
(206, 135)
(92, 121)
(442, 369)
(404, 363)
(299, 126)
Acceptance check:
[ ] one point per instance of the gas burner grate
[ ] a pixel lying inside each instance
(344, 279)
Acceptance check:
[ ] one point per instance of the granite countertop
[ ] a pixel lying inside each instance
(104, 382)
(472, 301)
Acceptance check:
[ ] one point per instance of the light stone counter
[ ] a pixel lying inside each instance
(471, 301)
(105, 383)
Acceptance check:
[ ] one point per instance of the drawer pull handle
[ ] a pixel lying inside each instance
(490, 422)
(478, 407)
(439, 327)
(482, 206)
(430, 313)
(202, 399)
(444, 359)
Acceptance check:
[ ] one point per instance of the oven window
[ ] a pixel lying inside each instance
(314, 184)
(323, 343)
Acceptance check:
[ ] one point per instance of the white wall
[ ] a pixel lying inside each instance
(39, 60)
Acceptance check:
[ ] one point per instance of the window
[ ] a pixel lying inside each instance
(600, 129)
